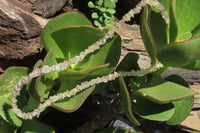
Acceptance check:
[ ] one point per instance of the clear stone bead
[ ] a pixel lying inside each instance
(45, 69)
(131, 12)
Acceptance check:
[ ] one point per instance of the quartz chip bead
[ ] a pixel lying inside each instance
(127, 17)
(45, 69)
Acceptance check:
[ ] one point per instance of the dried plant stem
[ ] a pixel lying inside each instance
(66, 64)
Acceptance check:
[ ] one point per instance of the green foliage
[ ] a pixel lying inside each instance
(6, 127)
(149, 96)
(10, 78)
(77, 38)
(169, 44)
(103, 12)
(34, 126)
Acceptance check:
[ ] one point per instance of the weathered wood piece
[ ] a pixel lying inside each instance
(48, 8)
(19, 30)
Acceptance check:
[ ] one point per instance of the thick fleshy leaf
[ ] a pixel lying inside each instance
(80, 38)
(182, 106)
(188, 17)
(126, 102)
(73, 40)
(153, 111)
(73, 103)
(64, 20)
(81, 74)
(10, 78)
(193, 66)
(154, 38)
(180, 54)
(6, 111)
(34, 126)
(31, 86)
(196, 31)
(45, 82)
(128, 63)
(109, 3)
(161, 91)
(182, 110)
(5, 127)
(173, 28)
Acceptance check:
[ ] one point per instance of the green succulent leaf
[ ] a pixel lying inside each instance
(69, 75)
(45, 82)
(100, 2)
(6, 111)
(34, 126)
(182, 106)
(173, 30)
(154, 38)
(64, 20)
(126, 102)
(73, 103)
(128, 63)
(102, 9)
(110, 3)
(110, 25)
(196, 31)
(161, 91)
(111, 11)
(98, 24)
(195, 65)
(94, 64)
(187, 17)
(91, 4)
(10, 78)
(180, 54)
(6, 127)
(183, 26)
(32, 85)
(95, 15)
(153, 111)
(73, 40)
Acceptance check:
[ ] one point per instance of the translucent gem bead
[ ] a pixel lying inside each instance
(45, 69)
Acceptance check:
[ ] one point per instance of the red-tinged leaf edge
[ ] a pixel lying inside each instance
(82, 71)
(31, 89)
(161, 81)
(53, 26)
(3, 75)
(126, 102)
(74, 109)
(147, 35)
(184, 53)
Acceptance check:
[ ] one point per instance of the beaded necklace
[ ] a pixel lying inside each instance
(66, 64)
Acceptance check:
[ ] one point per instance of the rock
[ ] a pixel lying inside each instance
(192, 122)
(189, 75)
(48, 8)
(122, 124)
(19, 30)
(132, 43)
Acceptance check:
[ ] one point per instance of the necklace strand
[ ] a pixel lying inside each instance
(66, 64)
